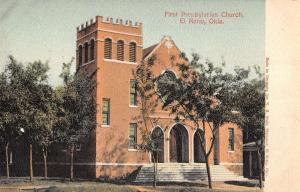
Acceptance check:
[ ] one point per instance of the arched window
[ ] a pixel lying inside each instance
(80, 55)
(167, 83)
(132, 52)
(120, 50)
(86, 52)
(107, 48)
(92, 49)
(157, 137)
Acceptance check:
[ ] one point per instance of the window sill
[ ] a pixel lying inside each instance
(133, 106)
(84, 64)
(105, 126)
(132, 150)
(118, 61)
(230, 151)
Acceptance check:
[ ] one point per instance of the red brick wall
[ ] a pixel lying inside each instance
(112, 156)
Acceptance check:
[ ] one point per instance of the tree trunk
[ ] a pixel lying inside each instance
(154, 171)
(30, 163)
(7, 160)
(259, 166)
(45, 162)
(208, 172)
(71, 163)
(206, 155)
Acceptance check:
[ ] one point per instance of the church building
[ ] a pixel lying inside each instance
(110, 49)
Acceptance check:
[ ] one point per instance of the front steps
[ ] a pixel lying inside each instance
(185, 172)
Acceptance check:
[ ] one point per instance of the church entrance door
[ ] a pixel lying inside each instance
(179, 144)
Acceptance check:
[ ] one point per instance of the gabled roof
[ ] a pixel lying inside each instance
(150, 50)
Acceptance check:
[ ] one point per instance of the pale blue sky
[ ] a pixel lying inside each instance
(46, 30)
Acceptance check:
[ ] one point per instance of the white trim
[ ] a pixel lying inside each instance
(132, 150)
(158, 126)
(161, 117)
(86, 35)
(193, 147)
(176, 124)
(105, 126)
(107, 37)
(156, 84)
(117, 61)
(86, 43)
(88, 63)
(110, 31)
(160, 43)
(133, 106)
(168, 137)
(132, 41)
(168, 69)
(153, 50)
(92, 38)
(119, 39)
(123, 33)
(115, 42)
(227, 163)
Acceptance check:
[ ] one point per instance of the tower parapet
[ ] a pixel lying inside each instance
(109, 23)
(121, 22)
(86, 25)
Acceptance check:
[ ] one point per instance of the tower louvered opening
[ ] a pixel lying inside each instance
(120, 50)
(107, 48)
(92, 50)
(86, 52)
(132, 52)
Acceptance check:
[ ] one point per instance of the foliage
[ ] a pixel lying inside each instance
(145, 86)
(77, 109)
(27, 105)
(203, 93)
(148, 102)
(13, 98)
(252, 107)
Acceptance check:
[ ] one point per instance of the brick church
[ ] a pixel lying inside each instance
(110, 49)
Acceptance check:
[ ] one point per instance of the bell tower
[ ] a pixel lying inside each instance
(108, 40)
(109, 50)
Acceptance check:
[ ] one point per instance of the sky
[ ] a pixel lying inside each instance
(46, 30)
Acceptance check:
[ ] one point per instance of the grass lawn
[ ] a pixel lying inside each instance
(40, 185)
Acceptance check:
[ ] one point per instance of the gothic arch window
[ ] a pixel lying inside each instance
(92, 49)
(107, 48)
(86, 52)
(166, 81)
(80, 55)
(157, 137)
(120, 50)
(132, 52)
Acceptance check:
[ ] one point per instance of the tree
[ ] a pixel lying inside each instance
(12, 100)
(145, 87)
(45, 119)
(203, 95)
(26, 105)
(252, 108)
(77, 111)
(38, 110)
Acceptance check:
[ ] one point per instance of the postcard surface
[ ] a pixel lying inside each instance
(142, 96)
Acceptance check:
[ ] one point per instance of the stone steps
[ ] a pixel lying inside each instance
(185, 172)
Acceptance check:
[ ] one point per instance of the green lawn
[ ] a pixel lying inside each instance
(40, 185)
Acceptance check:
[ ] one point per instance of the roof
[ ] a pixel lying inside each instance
(148, 50)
